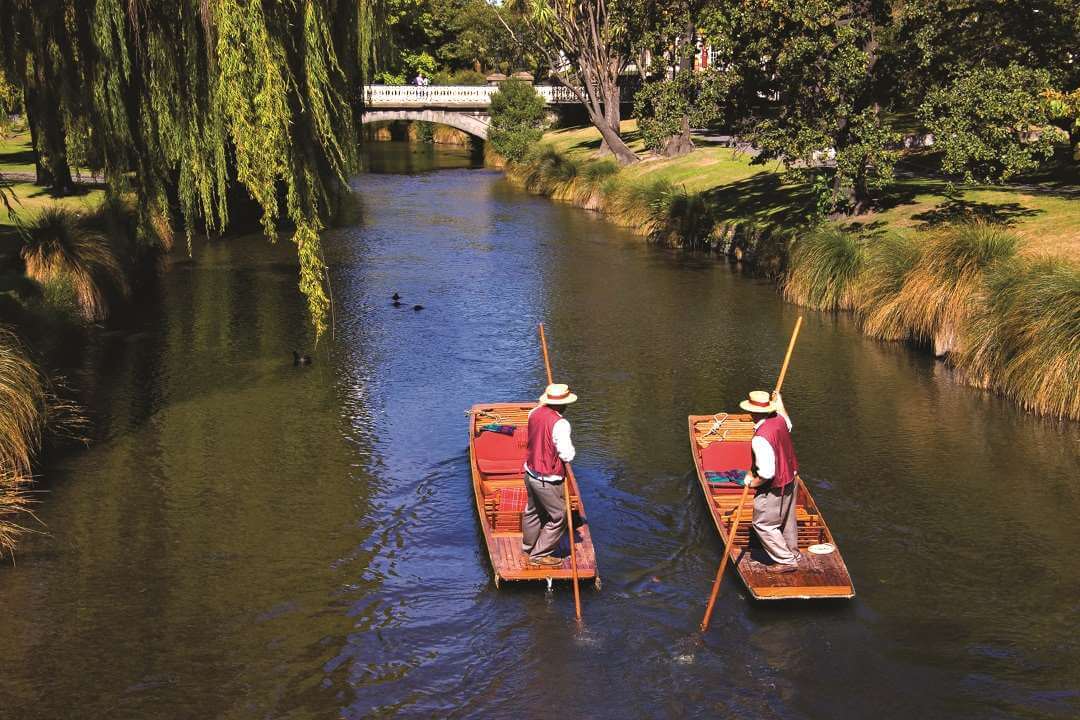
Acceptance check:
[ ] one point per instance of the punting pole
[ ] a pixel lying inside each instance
(566, 496)
(746, 491)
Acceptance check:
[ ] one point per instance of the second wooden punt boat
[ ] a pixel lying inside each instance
(497, 458)
(721, 443)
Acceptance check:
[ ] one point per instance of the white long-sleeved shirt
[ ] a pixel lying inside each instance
(560, 435)
(764, 455)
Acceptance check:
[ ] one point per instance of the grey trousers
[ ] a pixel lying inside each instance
(775, 524)
(543, 521)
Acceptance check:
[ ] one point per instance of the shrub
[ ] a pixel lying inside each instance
(517, 119)
(22, 422)
(823, 270)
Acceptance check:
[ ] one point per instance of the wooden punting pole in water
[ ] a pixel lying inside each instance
(566, 496)
(746, 491)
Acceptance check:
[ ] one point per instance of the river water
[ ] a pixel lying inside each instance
(248, 539)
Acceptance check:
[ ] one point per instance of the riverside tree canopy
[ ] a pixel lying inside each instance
(180, 102)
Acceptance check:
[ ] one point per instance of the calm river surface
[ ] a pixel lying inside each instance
(246, 539)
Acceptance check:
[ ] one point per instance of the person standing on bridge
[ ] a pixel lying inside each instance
(774, 476)
(549, 449)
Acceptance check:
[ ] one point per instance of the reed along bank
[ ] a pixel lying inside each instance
(986, 279)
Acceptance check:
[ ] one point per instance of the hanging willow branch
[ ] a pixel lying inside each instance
(181, 100)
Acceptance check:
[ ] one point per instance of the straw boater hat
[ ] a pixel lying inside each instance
(759, 401)
(557, 394)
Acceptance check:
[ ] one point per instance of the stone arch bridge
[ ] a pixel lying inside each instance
(464, 107)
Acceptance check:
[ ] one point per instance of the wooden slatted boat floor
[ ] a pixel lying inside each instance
(496, 461)
(721, 442)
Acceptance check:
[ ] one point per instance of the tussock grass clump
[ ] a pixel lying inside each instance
(31, 407)
(547, 172)
(60, 249)
(944, 287)
(14, 505)
(22, 423)
(642, 206)
(681, 218)
(824, 266)
(591, 181)
(22, 407)
(886, 267)
(1024, 339)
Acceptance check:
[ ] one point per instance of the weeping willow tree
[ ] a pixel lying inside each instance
(181, 102)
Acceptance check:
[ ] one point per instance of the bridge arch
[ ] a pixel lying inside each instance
(472, 124)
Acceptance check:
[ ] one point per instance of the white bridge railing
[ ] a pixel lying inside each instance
(450, 95)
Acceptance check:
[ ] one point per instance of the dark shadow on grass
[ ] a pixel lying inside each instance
(19, 157)
(957, 210)
(761, 198)
(872, 229)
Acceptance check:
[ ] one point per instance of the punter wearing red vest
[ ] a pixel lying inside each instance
(549, 450)
(773, 476)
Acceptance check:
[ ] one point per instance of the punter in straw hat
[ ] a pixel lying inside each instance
(549, 450)
(773, 476)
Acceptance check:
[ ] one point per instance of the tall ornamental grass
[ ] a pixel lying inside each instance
(22, 423)
(681, 218)
(61, 251)
(886, 266)
(1024, 339)
(945, 286)
(823, 270)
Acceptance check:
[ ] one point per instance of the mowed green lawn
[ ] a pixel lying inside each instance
(1045, 214)
(16, 156)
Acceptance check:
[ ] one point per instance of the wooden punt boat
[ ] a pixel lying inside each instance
(721, 443)
(498, 478)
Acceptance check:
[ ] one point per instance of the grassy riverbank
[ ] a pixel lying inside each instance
(985, 277)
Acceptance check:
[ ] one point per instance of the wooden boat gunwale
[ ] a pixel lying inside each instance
(495, 542)
(740, 557)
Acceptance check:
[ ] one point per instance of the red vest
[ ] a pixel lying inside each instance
(542, 457)
(775, 431)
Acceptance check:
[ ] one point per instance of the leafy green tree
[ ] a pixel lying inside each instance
(587, 46)
(667, 109)
(1064, 108)
(517, 119)
(665, 48)
(810, 88)
(991, 123)
(935, 41)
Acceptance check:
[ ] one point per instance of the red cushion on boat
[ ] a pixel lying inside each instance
(498, 454)
(726, 455)
(513, 499)
(501, 467)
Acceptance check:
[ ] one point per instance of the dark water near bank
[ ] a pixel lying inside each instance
(246, 539)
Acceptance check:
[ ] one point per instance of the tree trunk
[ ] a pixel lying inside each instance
(50, 135)
(42, 176)
(612, 111)
(681, 143)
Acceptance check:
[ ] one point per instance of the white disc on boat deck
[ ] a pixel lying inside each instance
(822, 549)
